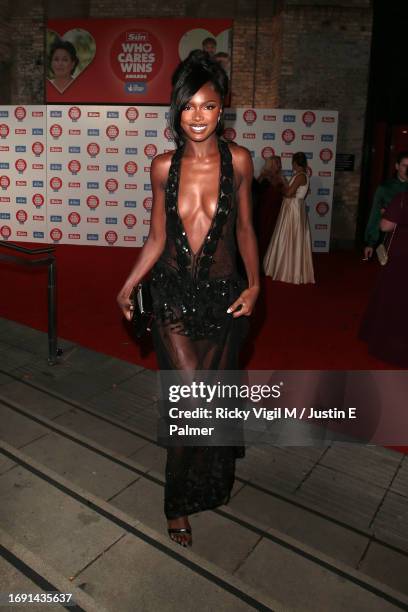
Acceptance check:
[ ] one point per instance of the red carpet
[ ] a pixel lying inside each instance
(295, 327)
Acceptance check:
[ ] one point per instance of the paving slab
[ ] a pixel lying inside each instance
(342, 496)
(70, 383)
(14, 581)
(143, 384)
(276, 469)
(303, 585)
(15, 357)
(81, 466)
(319, 533)
(6, 464)
(364, 462)
(40, 370)
(391, 522)
(386, 565)
(151, 456)
(105, 434)
(65, 533)
(116, 370)
(18, 431)
(122, 401)
(4, 379)
(400, 483)
(222, 541)
(144, 500)
(132, 576)
(38, 401)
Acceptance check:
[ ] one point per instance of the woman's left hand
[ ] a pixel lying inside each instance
(245, 303)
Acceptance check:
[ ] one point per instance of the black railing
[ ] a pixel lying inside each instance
(50, 261)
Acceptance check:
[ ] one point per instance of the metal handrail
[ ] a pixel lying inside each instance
(53, 351)
(22, 249)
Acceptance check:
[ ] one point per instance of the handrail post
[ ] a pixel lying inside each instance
(52, 314)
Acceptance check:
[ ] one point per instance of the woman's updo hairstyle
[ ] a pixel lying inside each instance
(190, 75)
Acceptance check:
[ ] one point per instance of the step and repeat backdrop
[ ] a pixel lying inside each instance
(81, 174)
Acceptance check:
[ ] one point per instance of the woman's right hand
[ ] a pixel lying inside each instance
(124, 303)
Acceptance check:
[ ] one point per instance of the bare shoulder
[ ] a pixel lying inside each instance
(160, 166)
(241, 159)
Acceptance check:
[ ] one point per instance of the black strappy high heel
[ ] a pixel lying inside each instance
(181, 530)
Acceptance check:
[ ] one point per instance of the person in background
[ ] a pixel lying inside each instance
(224, 59)
(384, 326)
(209, 46)
(271, 184)
(289, 254)
(383, 195)
(63, 62)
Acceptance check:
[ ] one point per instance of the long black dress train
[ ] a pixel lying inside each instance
(193, 331)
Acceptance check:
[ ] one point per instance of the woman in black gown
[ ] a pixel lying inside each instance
(201, 212)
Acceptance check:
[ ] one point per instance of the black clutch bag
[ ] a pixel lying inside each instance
(141, 299)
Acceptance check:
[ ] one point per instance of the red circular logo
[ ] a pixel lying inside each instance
(326, 155)
(112, 132)
(4, 130)
(111, 184)
(74, 113)
(147, 203)
(74, 166)
(56, 234)
(168, 134)
(37, 148)
(55, 183)
(136, 56)
(74, 218)
(5, 231)
(4, 181)
(92, 201)
(111, 237)
(20, 113)
(288, 136)
(250, 116)
(37, 200)
(308, 118)
(21, 216)
(131, 168)
(132, 114)
(322, 208)
(230, 134)
(267, 152)
(150, 150)
(93, 149)
(55, 130)
(20, 165)
(129, 220)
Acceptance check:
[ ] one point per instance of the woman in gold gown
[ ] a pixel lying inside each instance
(289, 254)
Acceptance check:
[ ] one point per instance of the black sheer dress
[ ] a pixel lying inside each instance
(193, 331)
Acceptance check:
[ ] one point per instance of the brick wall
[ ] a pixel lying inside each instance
(325, 64)
(286, 53)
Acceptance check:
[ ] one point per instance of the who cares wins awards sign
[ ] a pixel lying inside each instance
(128, 61)
(81, 174)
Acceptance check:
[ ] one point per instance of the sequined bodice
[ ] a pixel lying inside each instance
(193, 290)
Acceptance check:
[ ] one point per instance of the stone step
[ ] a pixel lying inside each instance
(135, 488)
(121, 564)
